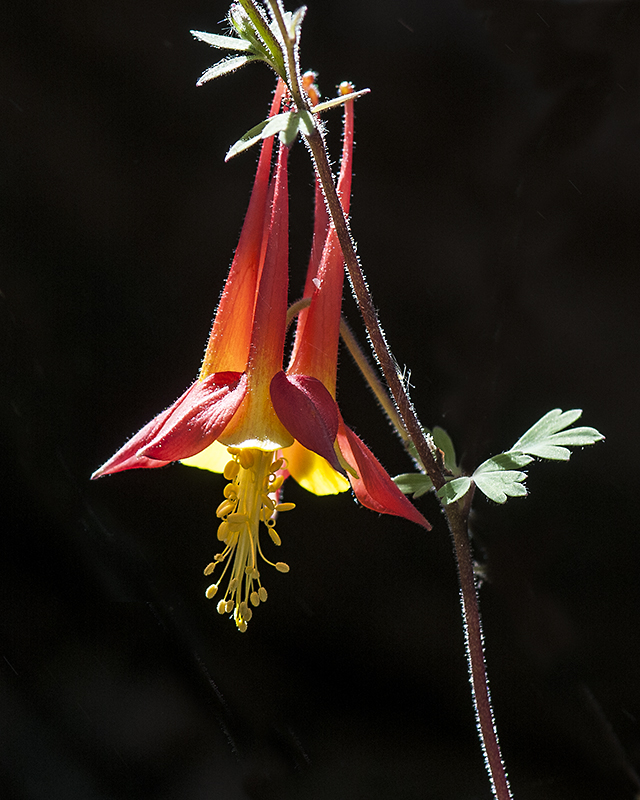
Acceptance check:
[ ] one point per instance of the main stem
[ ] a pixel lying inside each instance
(457, 514)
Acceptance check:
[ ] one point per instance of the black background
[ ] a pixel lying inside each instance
(496, 201)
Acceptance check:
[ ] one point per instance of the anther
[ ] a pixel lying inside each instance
(223, 531)
(225, 507)
(285, 506)
(262, 594)
(229, 604)
(241, 625)
(276, 540)
(211, 591)
(276, 484)
(209, 568)
(230, 491)
(222, 607)
(231, 470)
(255, 599)
(276, 466)
(246, 459)
(237, 518)
(233, 585)
(269, 503)
(282, 567)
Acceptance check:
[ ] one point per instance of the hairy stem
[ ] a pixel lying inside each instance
(456, 513)
(456, 517)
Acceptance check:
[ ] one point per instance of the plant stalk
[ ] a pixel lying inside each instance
(456, 513)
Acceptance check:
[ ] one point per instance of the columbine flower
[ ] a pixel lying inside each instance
(246, 418)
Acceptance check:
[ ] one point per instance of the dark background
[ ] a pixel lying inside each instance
(496, 202)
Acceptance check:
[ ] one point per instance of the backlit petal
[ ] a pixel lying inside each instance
(315, 349)
(214, 458)
(256, 424)
(228, 347)
(313, 472)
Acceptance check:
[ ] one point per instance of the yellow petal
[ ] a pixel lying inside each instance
(313, 472)
(213, 458)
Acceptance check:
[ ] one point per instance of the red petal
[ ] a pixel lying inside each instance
(374, 488)
(307, 410)
(192, 423)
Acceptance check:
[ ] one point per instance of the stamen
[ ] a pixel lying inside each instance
(251, 498)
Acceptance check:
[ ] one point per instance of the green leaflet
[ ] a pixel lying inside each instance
(546, 438)
(288, 125)
(224, 67)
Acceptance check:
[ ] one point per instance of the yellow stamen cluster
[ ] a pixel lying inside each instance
(250, 498)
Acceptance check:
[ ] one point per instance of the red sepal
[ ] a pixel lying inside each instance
(374, 488)
(192, 423)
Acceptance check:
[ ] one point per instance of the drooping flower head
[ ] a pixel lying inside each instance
(249, 419)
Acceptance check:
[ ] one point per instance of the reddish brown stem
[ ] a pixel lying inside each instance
(456, 513)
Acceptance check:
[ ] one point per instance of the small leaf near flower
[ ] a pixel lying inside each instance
(264, 129)
(224, 67)
(226, 42)
(338, 101)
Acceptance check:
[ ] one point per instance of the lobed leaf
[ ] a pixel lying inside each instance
(496, 480)
(454, 490)
(548, 438)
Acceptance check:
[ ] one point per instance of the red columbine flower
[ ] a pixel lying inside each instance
(246, 418)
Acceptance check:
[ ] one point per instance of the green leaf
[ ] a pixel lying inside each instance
(289, 133)
(548, 438)
(454, 490)
(497, 479)
(306, 123)
(338, 101)
(264, 129)
(415, 483)
(294, 22)
(249, 21)
(504, 461)
(223, 67)
(444, 443)
(228, 42)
